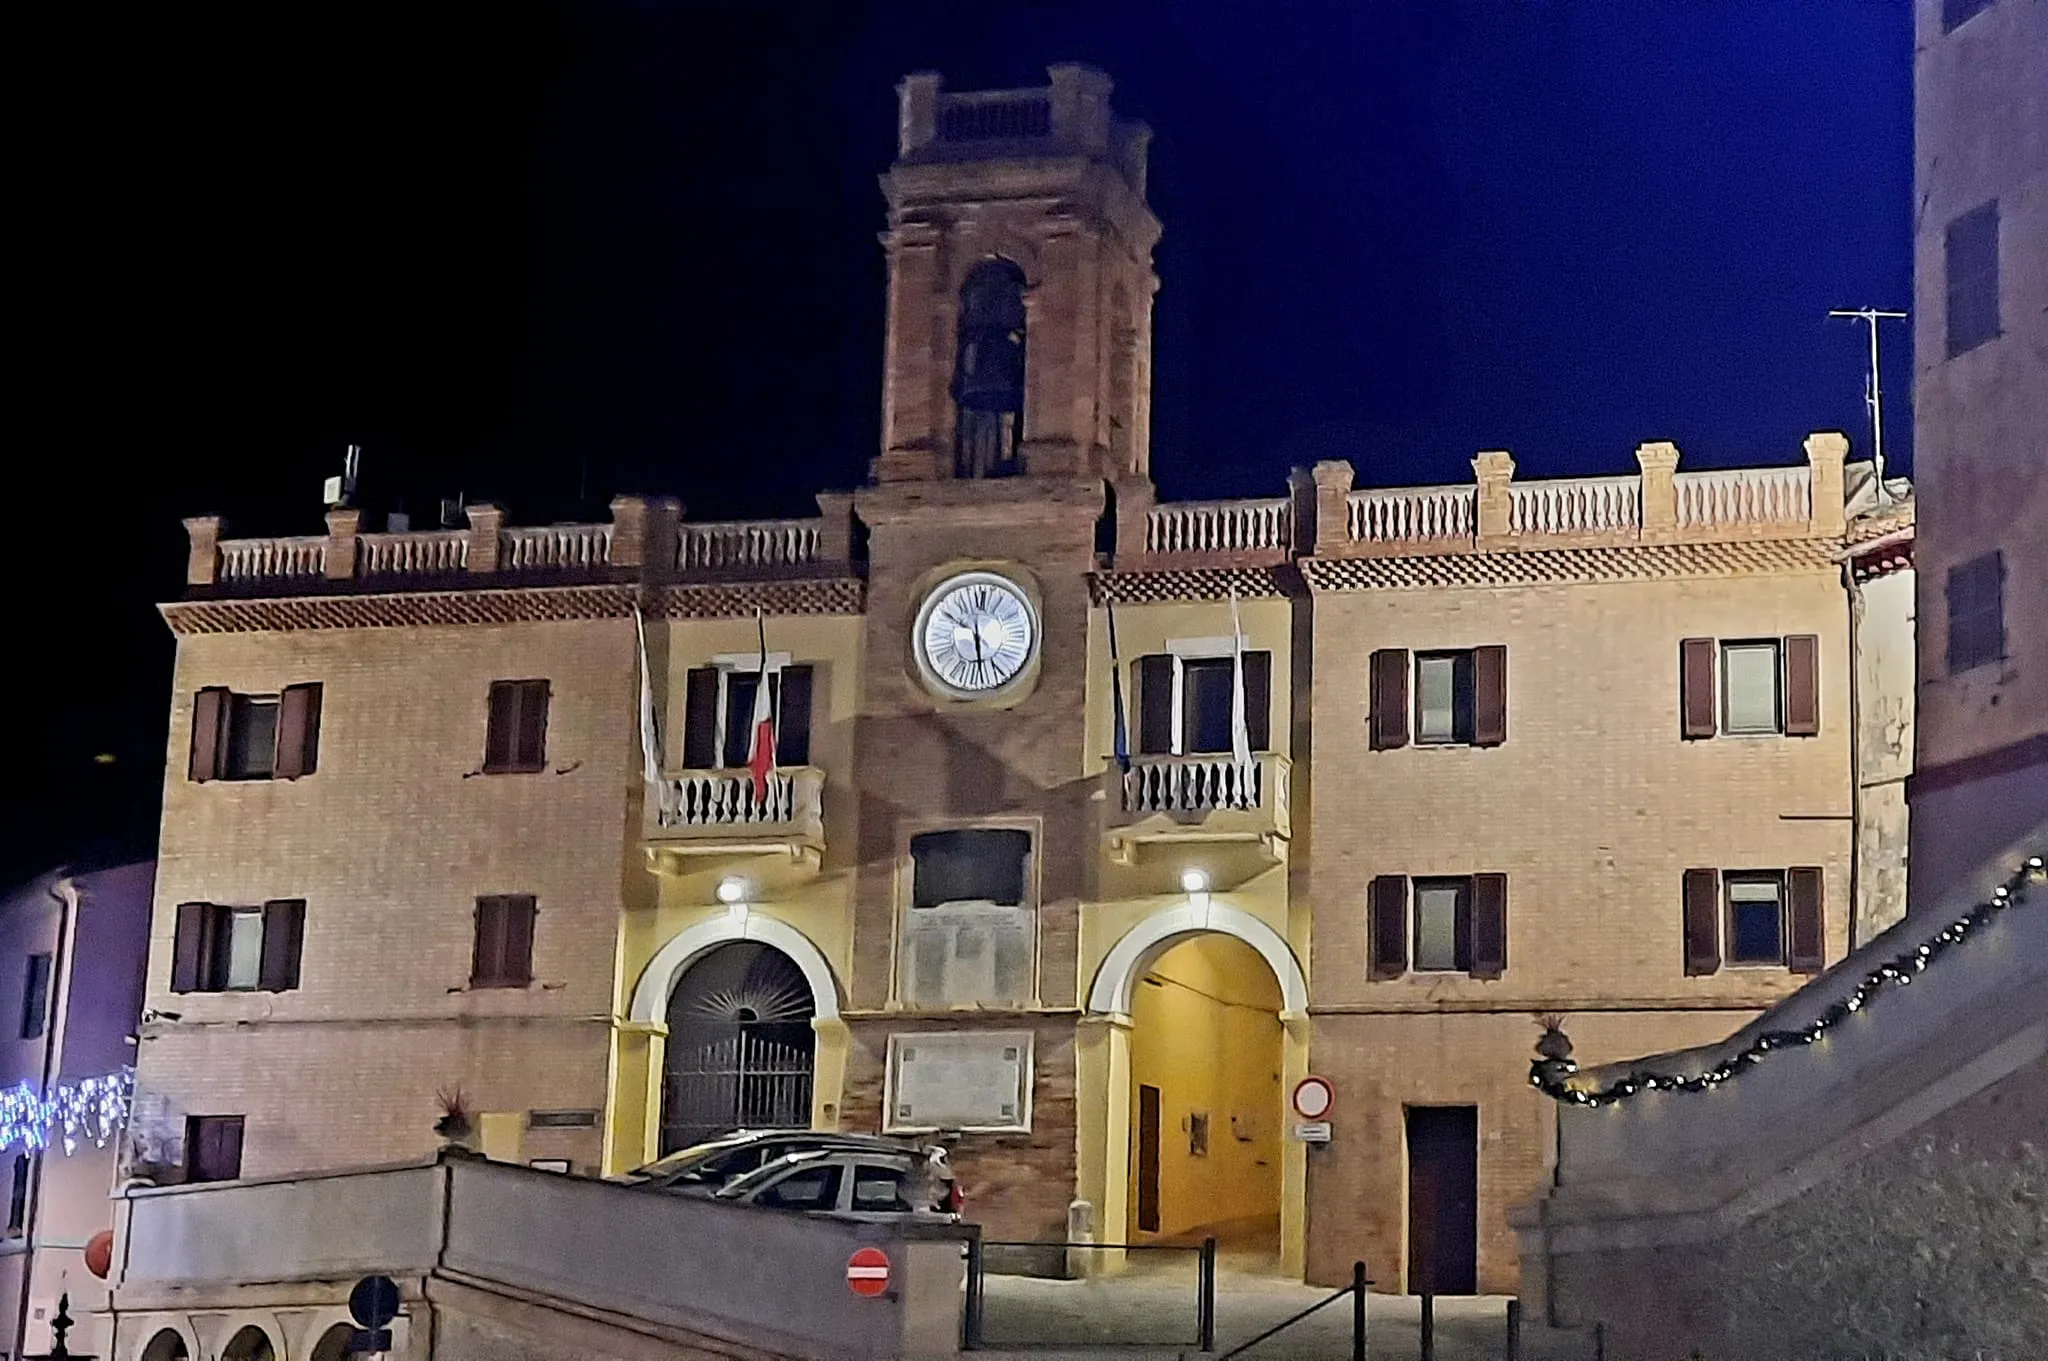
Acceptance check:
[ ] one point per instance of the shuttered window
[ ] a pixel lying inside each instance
(1756, 918)
(1970, 263)
(718, 716)
(255, 737)
(213, 1148)
(503, 954)
(1439, 924)
(1387, 925)
(1957, 12)
(35, 996)
(1184, 704)
(516, 732)
(1459, 697)
(238, 949)
(1443, 925)
(1975, 596)
(1751, 687)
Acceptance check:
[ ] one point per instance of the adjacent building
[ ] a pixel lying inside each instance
(1096, 824)
(73, 946)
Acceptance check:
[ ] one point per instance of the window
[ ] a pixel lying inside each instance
(879, 1189)
(1955, 13)
(718, 717)
(213, 1147)
(813, 1188)
(255, 737)
(1443, 925)
(1970, 259)
(1976, 613)
(1755, 918)
(970, 931)
(1184, 701)
(238, 949)
(1459, 697)
(503, 956)
(17, 1199)
(1749, 687)
(35, 996)
(516, 736)
(1449, 924)
(988, 372)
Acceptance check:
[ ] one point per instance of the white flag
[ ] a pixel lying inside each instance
(650, 743)
(1240, 731)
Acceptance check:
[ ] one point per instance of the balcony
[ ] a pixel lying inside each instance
(710, 820)
(1177, 801)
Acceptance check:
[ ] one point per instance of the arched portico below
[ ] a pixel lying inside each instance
(658, 980)
(1128, 959)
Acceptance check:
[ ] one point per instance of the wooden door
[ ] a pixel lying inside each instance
(1443, 1200)
(1148, 1159)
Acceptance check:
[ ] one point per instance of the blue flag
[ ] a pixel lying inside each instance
(1116, 696)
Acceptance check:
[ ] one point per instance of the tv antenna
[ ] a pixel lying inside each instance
(1873, 395)
(338, 490)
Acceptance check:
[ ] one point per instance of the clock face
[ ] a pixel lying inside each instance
(975, 634)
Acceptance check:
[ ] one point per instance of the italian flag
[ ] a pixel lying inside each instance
(761, 752)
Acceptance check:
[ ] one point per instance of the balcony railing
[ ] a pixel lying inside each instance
(1744, 496)
(747, 545)
(415, 554)
(1221, 528)
(1206, 796)
(716, 807)
(247, 561)
(1411, 514)
(556, 546)
(1584, 505)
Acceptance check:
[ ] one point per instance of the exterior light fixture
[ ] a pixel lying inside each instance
(1193, 880)
(731, 890)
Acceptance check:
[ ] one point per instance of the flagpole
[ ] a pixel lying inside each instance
(1120, 734)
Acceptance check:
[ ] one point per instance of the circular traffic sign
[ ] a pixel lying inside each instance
(374, 1301)
(867, 1272)
(1313, 1097)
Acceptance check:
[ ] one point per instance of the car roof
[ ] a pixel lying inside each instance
(768, 1171)
(739, 1139)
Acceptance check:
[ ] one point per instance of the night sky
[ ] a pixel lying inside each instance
(543, 254)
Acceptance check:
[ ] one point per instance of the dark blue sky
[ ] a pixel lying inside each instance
(548, 253)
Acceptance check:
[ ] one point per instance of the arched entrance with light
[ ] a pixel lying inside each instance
(741, 1051)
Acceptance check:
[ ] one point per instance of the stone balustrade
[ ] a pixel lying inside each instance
(1248, 529)
(716, 808)
(748, 545)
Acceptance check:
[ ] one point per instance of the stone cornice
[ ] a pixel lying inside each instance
(1573, 566)
(512, 605)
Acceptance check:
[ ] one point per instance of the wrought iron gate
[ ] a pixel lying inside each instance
(740, 1047)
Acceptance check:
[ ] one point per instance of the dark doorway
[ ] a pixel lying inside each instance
(1148, 1159)
(1443, 1200)
(740, 1046)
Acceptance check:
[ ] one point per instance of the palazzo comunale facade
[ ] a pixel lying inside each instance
(1576, 746)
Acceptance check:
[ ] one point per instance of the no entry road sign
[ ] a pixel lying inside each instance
(867, 1272)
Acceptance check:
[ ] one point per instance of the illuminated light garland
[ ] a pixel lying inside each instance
(93, 1108)
(1552, 1076)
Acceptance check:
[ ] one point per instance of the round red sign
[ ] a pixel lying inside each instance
(867, 1272)
(1313, 1097)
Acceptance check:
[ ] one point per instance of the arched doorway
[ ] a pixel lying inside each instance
(1206, 1101)
(740, 1048)
(249, 1344)
(333, 1344)
(167, 1345)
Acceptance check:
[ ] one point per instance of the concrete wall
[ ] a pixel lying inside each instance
(1208, 1035)
(502, 1261)
(1981, 133)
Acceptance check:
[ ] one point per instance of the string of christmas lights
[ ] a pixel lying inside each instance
(93, 1108)
(1552, 1076)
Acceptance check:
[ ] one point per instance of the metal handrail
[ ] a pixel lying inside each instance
(1356, 1290)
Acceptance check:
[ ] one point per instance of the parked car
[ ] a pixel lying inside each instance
(702, 1168)
(863, 1181)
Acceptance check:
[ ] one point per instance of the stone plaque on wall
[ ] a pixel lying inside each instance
(965, 1080)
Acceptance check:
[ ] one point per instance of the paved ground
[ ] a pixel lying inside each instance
(1118, 1317)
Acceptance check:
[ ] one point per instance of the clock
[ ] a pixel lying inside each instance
(975, 634)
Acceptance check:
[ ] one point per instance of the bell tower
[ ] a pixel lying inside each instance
(1020, 286)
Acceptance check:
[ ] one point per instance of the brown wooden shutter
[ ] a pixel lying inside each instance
(533, 724)
(1387, 925)
(1807, 949)
(793, 717)
(1696, 687)
(191, 946)
(1388, 682)
(518, 937)
(1802, 685)
(700, 719)
(209, 733)
(284, 932)
(1258, 699)
(1702, 922)
(1489, 925)
(501, 729)
(1155, 704)
(1489, 696)
(486, 957)
(298, 731)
